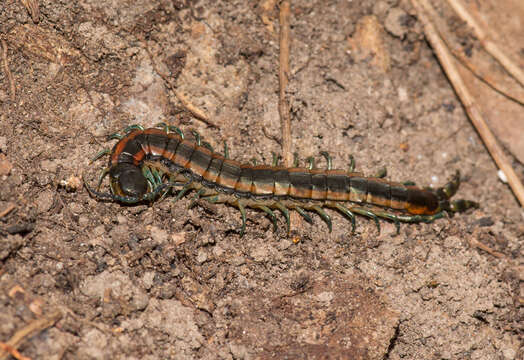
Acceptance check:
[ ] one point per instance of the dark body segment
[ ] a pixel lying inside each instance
(301, 185)
(245, 182)
(229, 174)
(183, 154)
(171, 147)
(318, 185)
(337, 182)
(282, 182)
(379, 192)
(200, 160)
(263, 180)
(358, 189)
(213, 171)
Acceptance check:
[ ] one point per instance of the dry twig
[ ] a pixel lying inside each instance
(283, 106)
(199, 114)
(283, 74)
(7, 210)
(488, 44)
(446, 60)
(30, 330)
(7, 71)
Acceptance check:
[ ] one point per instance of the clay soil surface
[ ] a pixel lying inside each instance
(165, 281)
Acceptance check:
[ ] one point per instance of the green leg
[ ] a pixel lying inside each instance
(196, 197)
(275, 159)
(344, 210)
(100, 154)
(295, 159)
(285, 212)
(382, 172)
(304, 214)
(389, 216)
(183, 191)
(101, 178)
(207, 146)
(351, 164)
(310, 163)
(226, 151)
(328, 159)
(271, 214)
(367, 213)
(324, 216)
(409, 183)
(197, 137)
(243, 213)
(254, 161)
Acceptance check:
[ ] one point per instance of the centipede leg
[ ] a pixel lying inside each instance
(447, 191)
(329, 160)
(183, 191)
(197, 136)
(344, 210)
(285, 212)
(226, 151)
(270, 213)
(367, 213)
(389, 216)
(242, 209)
(324, 216)
(254, 161)
(103, 174)
(295, 159)
(304, 214)
(100, 154)
(382, 172)
(199, 193)
(275, 159)
(310, 163)
(351, 164)
(207, 146)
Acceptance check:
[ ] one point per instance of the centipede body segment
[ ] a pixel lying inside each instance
(146, 164)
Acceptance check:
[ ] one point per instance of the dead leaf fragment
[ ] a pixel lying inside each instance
(367, 44)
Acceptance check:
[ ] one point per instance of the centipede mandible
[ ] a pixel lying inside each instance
(147, 165)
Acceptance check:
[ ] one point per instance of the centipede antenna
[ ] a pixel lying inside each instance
(329, 160)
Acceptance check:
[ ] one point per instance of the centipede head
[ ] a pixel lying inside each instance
(127, 180)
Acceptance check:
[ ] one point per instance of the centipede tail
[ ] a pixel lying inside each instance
(146, 165)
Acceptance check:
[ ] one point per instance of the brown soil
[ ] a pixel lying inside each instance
(165, 281)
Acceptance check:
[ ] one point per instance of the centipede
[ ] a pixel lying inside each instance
(147, 165)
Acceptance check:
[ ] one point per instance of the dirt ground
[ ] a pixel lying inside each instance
(106, 281)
